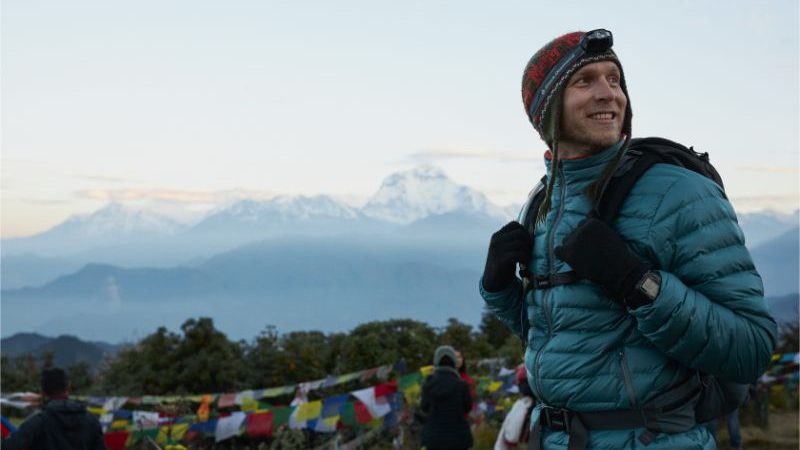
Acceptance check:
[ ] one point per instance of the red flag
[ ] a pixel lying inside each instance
(386, 389)
(116, 440)
(362, 413)
(259, 424)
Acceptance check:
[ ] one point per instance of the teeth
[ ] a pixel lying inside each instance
(602, 116)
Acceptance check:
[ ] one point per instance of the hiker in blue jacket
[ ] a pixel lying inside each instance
(624, 321)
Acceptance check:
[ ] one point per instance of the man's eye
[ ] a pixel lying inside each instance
(613, 80)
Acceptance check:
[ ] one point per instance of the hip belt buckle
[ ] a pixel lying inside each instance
(556, 418)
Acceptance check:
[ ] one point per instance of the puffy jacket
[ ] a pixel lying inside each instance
(446, 398)
(61, 425)
(586, 352)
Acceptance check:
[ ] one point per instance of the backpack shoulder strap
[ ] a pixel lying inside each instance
(633, 164)
(640, 156)
(527, 215)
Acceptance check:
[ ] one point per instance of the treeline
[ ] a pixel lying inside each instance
(201, 359)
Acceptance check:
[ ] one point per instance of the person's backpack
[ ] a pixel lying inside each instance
(717, 397)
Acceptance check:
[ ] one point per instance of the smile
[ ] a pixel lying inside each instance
(603, 116)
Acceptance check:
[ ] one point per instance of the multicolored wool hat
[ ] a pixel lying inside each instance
(543, 84)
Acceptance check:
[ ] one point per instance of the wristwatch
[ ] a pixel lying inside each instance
(646, 290)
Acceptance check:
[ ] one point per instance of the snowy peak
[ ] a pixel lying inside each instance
(117, 220)
(289, 208)
(407, 196)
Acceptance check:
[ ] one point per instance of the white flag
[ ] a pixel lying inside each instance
(143, 420)
(228, 427)
(378, 407)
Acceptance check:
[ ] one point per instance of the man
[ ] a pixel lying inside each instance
(665, 292)
(62, 424)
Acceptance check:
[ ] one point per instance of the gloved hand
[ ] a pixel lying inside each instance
(510, 245)
(596, 252)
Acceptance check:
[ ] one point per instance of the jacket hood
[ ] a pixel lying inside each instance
(69, 413)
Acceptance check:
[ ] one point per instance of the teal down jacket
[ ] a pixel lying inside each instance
(586, 352)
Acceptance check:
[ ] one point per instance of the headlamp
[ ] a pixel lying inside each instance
(593, 42)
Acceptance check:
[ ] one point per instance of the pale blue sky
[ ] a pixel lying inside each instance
(186, 104)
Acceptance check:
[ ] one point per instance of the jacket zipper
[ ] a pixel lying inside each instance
(551, 270)
(626, 375)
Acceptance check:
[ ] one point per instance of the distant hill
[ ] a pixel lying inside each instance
(777, 262)
(66, 350)
(784, 309)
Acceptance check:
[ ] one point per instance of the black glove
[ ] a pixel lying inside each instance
(510, 245)
(596, 252)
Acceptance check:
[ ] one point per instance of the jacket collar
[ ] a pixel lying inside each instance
(588, 168)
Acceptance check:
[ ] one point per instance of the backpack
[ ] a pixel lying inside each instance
(716, 397)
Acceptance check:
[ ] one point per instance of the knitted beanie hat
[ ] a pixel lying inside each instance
(441, 352)
(543, 84)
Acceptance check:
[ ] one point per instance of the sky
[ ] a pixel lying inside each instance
(182, 106)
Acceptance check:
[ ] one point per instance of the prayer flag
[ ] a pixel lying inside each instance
(377, 406)
(144, 420)
(226, 401)
(309, 410)
(362, 413)
(327, 424)
(259, 424)
(6, 427)
(385, 389)
(332, 405)
(228, 427)
(406, 381)
(348, 415)
(204, 409)
(116, 440)
(281, 417)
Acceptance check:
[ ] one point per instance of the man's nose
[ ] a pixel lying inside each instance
(603, 90)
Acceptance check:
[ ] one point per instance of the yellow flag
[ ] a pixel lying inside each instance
(425, 371)
(309, 410)
(96, 411)
(412, 393)
(495, 385)
(249, 404)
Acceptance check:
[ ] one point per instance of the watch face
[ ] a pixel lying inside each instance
(650, 287)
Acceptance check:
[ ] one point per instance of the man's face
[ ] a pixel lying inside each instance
(593, 108)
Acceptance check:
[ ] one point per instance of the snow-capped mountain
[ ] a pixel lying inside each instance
(117, 220)
(113, 224)
(407, 196)
(287, 208)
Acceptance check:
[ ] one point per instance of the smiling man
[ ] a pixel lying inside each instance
(625, 319)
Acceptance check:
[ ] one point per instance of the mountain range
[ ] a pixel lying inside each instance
(66, 350)
(415, 249)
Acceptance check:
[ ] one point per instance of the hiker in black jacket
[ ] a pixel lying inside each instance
(62, 424)
(446, 400)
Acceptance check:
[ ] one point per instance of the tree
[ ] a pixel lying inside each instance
(263, 360)
(146, 368)
(304, 356)
(80, 377)
(385, 342)
(206, 361)
(19, 374)
(495, 331)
